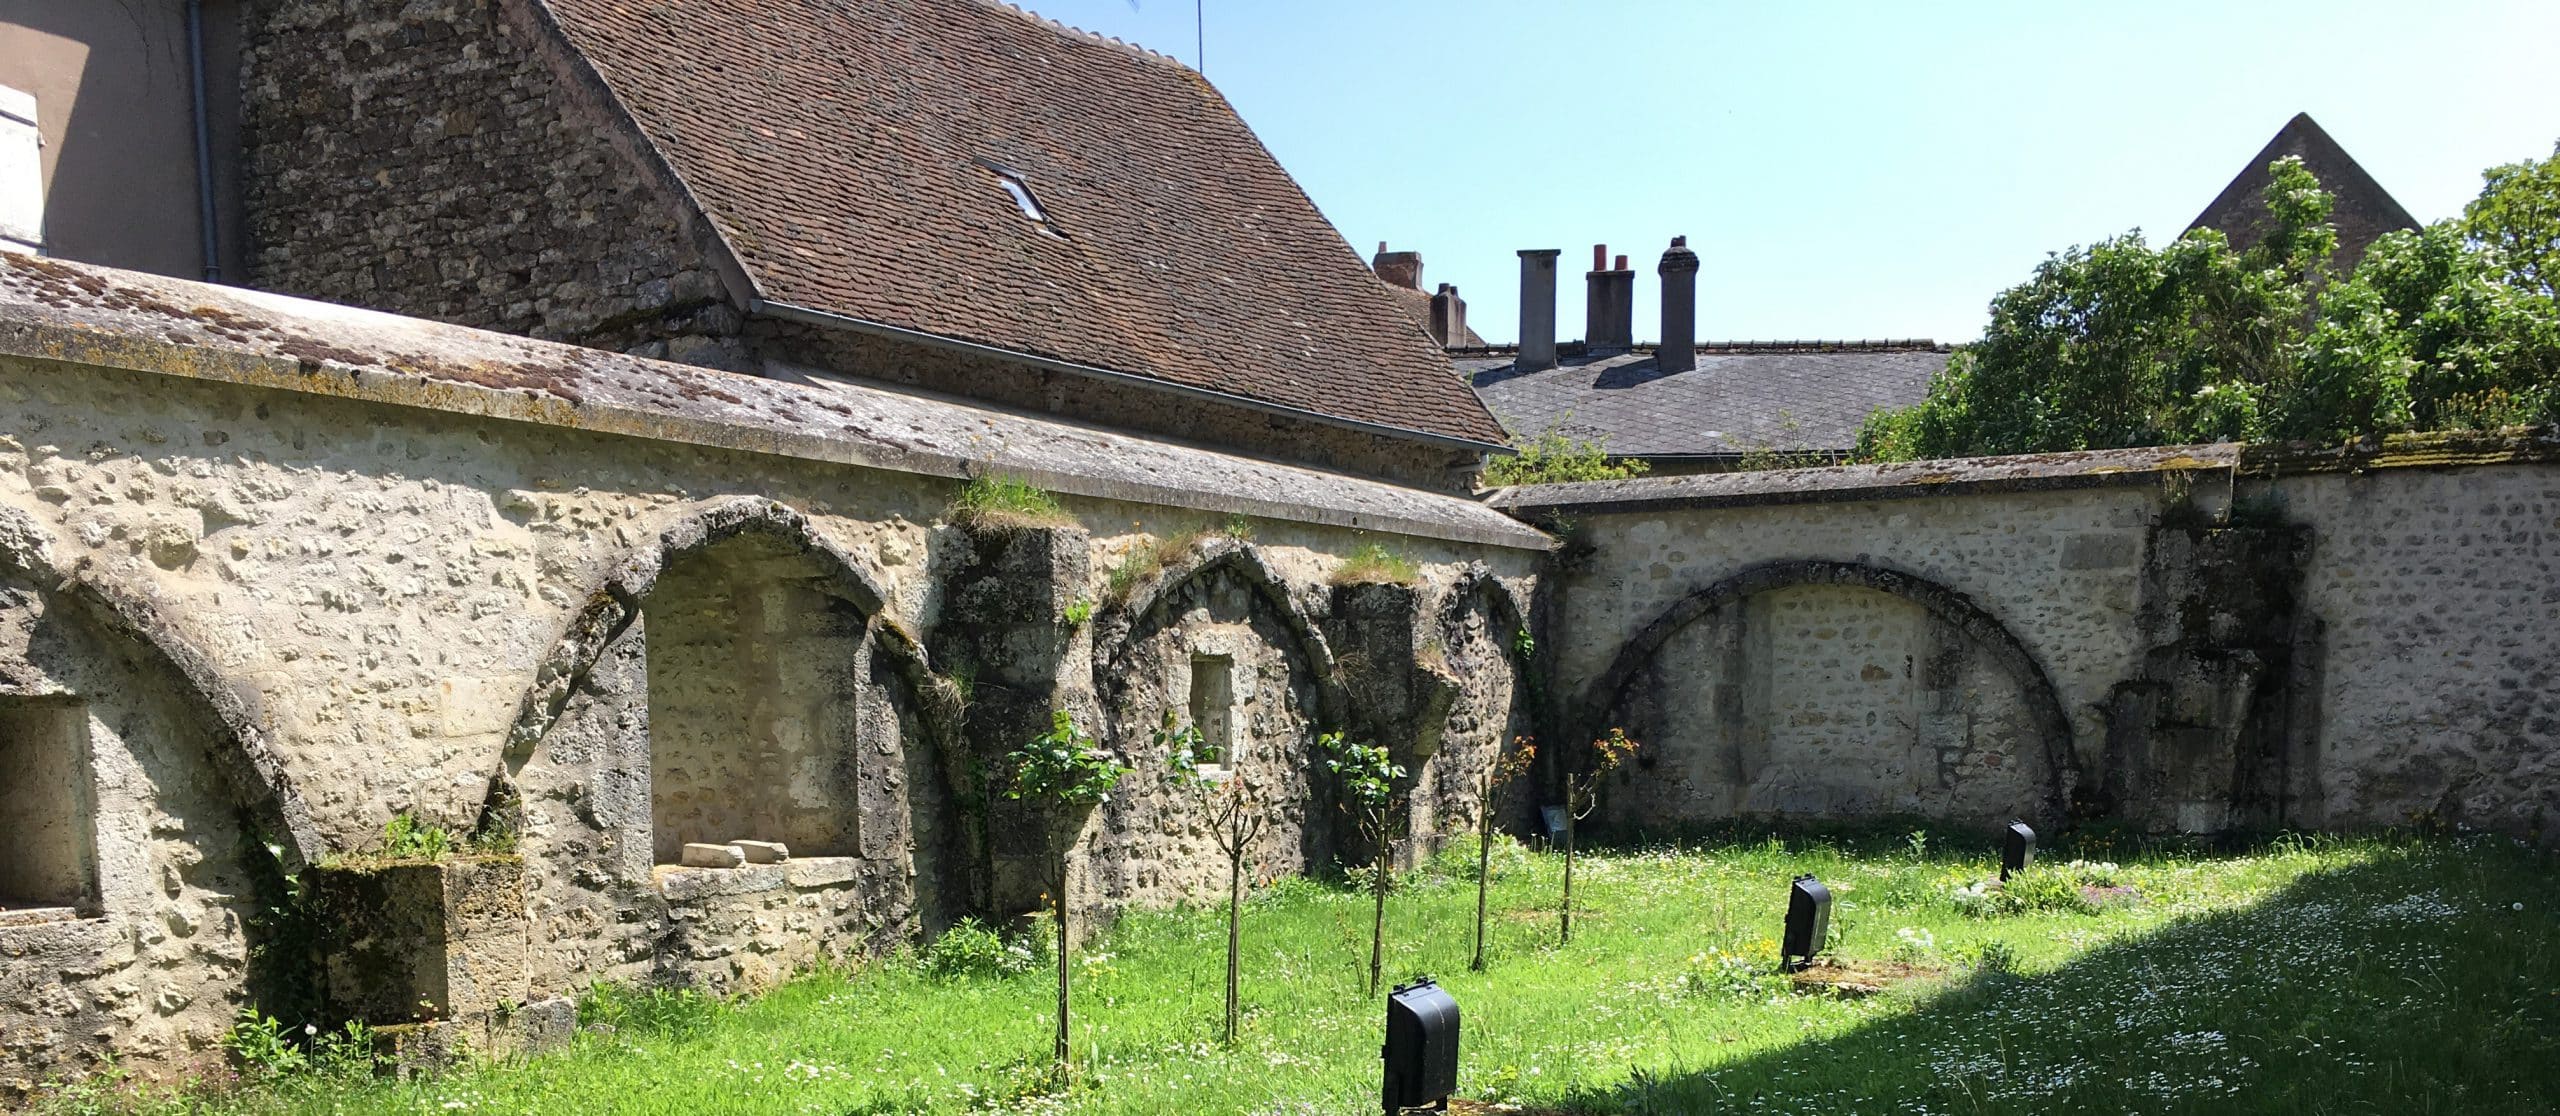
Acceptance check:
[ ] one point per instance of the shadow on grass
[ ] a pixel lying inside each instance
(2401, 983)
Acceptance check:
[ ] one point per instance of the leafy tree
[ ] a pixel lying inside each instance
(1502, 771)
(1066, 771)
(2122, 344)
(1239, 808)
(1368, 775)
(2518, 215)
(1555, 457)
(1581, 796)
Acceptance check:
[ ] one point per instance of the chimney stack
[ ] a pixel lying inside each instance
(1610, 305)
(1537, 309)
(1679, 270)
(1448, 316)
(1404, 269)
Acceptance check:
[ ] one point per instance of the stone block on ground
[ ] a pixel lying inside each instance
(699, 855)
(763, 852)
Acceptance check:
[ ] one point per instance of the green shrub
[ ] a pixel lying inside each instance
(2036, 890)
(1555, 457)
(969, 949)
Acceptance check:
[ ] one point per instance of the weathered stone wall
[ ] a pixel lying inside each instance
(2194, 640)
(587, 640)
(1827, 701)
(2436, 595)
(442, 159)
(137, 942)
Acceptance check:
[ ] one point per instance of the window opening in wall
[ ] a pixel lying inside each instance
(1212, 702)
(47, 809)
(21, 174)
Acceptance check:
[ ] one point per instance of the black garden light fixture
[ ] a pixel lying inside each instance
(2017, 849)
(1422, 1047)
(1808, 923)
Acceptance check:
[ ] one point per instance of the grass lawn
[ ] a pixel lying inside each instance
(2310, 976)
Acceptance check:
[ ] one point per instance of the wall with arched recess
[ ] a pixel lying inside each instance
(1225, 603)
(737, 679)
(135, 875)
(1830, 690)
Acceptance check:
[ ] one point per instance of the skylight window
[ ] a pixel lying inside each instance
(1021, 192)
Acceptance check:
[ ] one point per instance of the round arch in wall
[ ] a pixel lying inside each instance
(2051, 725)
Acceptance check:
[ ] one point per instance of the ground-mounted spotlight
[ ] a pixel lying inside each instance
(1422, 1047)
(1808, 923)
(2017, 849)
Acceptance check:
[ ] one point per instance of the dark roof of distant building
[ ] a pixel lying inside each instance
(1743, 397)
(1418, 304)
(970, 171)
(2360, 208)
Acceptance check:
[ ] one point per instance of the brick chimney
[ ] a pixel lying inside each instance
(1537, 309)
(1448, 316)
(1679, 270)
(1404, 269)
(1610, 306)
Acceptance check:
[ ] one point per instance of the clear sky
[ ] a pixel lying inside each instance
(1844, 170)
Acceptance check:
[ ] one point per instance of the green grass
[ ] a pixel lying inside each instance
(992, 501)
(2310, 976)
(1374, 564)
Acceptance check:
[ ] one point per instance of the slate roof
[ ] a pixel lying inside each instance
(2361, 209)
(849, 153)
(1742, 396)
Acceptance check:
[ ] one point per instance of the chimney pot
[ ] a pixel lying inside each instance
(1599, 257)
(1678, 351)
(1537, 309)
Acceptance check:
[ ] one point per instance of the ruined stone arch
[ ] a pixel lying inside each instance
(615, 604)
(1225, 607)
(581, 776)
(1957, 613)
(136, 790)
(247, 759)
(1123, 627)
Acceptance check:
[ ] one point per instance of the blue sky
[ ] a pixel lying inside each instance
(1844, 170)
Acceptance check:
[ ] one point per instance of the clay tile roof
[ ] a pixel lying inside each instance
(849, 152)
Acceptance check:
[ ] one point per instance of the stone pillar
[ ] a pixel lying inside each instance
(1006, 628)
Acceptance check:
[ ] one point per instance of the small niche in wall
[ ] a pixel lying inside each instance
(47, 809)
(1212, 704)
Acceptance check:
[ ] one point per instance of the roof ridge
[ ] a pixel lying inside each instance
(1880, 344)
(1095, 37)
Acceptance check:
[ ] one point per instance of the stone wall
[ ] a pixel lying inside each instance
(2194, 639)
(597, 606)
(125, 922)
(443, 159)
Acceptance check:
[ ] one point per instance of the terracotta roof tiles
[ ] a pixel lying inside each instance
(849, 152)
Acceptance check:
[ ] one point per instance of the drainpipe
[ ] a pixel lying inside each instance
(204, 146)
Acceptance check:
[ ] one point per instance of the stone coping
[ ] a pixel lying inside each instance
(78, 314)
(679, 884)
(2032, 472)
(1852, 483)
